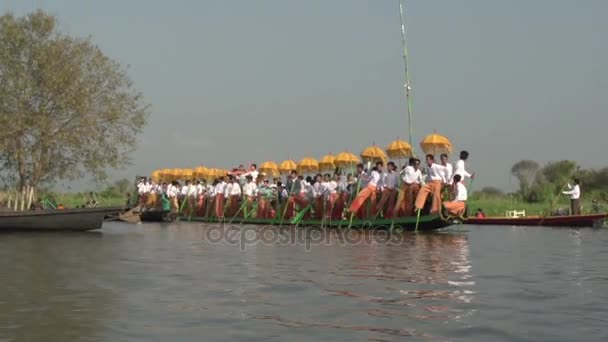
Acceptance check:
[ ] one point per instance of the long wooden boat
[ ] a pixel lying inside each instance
(81, 219)
(426, 223)
(549, 221)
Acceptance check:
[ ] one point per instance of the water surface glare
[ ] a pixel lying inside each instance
(154, 282)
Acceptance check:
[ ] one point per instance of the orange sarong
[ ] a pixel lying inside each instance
(200, 206)
(368, 193)
(405, 201)
(219, 205)
(387, 202)
(455, 208)
(433, 188)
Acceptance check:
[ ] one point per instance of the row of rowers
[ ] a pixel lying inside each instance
(361, 187)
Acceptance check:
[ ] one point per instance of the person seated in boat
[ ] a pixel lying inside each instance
(410, 185)
(369, 192)
(435, 181)
(480, 214)
(460, 166)
(575, 196)
(60, 206)
(457, 207)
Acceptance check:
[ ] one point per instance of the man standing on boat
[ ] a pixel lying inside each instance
(435, 175)
(369, 192)
(388, 189)
(460, 167)
(575, 197)
(411, 182)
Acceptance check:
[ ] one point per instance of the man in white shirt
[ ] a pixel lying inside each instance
(388, 185)
(253, 172)
(233, 194)
(448, 170)
(457, 207)
(460, 167)
(250, 192)
(410, 185)
(575, 197)
(369, 192)
(433, 187)
(220, 197)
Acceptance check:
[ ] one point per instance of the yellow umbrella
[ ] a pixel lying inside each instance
(436, 144)
(270, 168)
(156, 176)
(399, 149)
(373, 154)
(327, 163)
(308, 165)
(187, 174)
(287, 166)
(200, 172)
(346, 159)
(176, 174)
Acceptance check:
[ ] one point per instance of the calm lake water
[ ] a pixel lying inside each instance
(178, 283)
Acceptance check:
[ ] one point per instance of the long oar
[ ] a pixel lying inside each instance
(417, 220)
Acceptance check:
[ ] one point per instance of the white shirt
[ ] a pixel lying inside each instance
(389, 180)
(250, 188)
(192, 190)
(199, 189)
(141, 188)
(448, 173)
(172, 191)
(220, 188)
(574, 192)
(233, 189)
(374, 178)
(436, 173)
(332, 187)
(185, 189)
(411, 175)
(461, 192)
(460, 170)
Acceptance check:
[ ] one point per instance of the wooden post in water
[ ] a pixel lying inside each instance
(16, 205)
(8, 203)
(30, 197)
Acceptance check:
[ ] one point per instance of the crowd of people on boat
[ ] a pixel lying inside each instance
(369, 191)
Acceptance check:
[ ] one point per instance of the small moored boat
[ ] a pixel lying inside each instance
(81, 219)
(592, 220)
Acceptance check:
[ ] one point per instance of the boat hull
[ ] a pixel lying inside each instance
(57, 220)
(426, 223)
(549, 221)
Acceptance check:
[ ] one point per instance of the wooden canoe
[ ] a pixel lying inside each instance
(549, 221)
(81, 219)
(426, 223)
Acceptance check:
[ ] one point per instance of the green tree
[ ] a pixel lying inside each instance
(526, 173)
(559, 173)
(66, 109)
(490, 191)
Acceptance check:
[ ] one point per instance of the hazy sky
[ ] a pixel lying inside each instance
(233, 81)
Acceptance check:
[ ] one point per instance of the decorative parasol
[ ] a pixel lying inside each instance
(436, 144)
(346, 159)
(200, 172)
(270, 168)
(327, 163)
(399, 149)
(287, 166)
(308, 165)
(373, 154)
(156, 176)
(187, 174)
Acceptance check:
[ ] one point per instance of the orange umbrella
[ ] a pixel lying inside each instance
(399, 149)
(308, 165)
(327, 163)
(373, 154)
(346, 159)
(176, 173)
(287, 166)
(436, 144)
(270, 168)
(156, 176)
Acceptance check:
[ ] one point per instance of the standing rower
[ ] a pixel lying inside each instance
(435, 175)
(460, 167)
(388, 189)
(370, 190)
(575, 197)
(411, 182)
